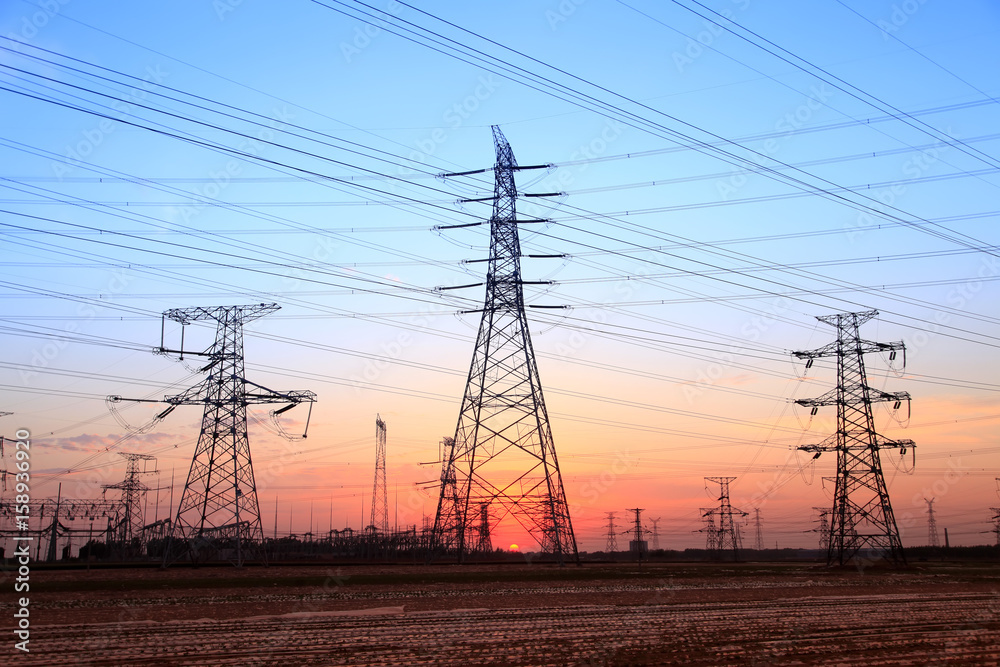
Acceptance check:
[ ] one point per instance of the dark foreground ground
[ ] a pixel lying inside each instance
(615, 614)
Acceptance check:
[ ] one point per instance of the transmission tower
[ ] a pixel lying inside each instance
(3, 473)
(711, 530)
(128, 524)
(932, 531)
(380, 498)
(612, 543)
(996, 523)
(218, 509)
(824, 527)
(862, 515)
(484, 544)
(758, 542)
(503, 453)
(727, 534)
(637, 544)
(656, 532)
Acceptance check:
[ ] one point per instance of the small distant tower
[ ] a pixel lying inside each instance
(758, 542)
(824, 527)
(484, 544)
(711, 530)
(656, 532)
(637, 544)
(128, 522)
(380, 500)
(932, 531)
(612, 544)
(996, 523)
(728, 533)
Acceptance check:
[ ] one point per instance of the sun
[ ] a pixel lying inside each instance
(514, 547)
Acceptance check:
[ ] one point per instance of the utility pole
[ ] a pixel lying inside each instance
(218, 507)
(380, 501)
(932, 532)
(862, 517)
(612, 543)
(503, 453)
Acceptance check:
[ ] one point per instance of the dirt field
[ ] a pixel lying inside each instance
(719, 614)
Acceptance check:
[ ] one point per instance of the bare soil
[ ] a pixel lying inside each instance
(512, 614)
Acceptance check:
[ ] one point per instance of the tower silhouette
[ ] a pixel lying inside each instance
(656, 533)
(380, 494)
(218, 514)
(758, 542)
(127, 523)
(612, 542)
(861, 518)
(503, 453)
(824, 527)
(933, 540)
(727, 534)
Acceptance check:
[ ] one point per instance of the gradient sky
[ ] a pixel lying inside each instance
(715, 198)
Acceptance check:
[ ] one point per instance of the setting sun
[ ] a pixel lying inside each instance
(514, 547)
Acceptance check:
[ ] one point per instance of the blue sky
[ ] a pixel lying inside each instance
(692, 272)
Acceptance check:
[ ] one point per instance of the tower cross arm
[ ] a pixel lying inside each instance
(265, 395)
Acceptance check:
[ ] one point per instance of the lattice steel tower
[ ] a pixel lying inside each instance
(380, 494)
(218, 512)
(933, 540)
(128, 522)
(862, 516)
(727, 534)
(824, 527)
(612, 542)
(503, 453)
(758, 542)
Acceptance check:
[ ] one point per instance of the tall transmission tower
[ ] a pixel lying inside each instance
(996, 523)
(612, 543)
(727, 534)
(380, 497)
(656, 532)
(128, 523)
(932, 531)
(758, 542)
(862, 516)
(503, 453)
(218, 510)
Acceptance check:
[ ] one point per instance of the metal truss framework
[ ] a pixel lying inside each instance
(128, 523)
(503, 453)
(380, 494)
(218, 509)
(612, 542)
(933, 539)
(725, 535)
(861, 519)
